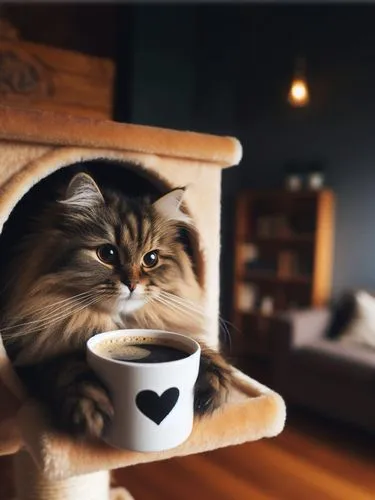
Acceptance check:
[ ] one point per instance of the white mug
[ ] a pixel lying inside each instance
(153, 402)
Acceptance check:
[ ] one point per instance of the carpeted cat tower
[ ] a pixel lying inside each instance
(34, 145)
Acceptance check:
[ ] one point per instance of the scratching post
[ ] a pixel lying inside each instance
(35, 145)
(31, 484)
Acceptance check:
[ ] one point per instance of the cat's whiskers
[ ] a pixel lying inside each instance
(37, 328)
(183, 302)
(63, 303)
(175, 307)
(37, 325)
(66, 332)
(149, 315)
(71, 303)
(42, 327)
(199, 309)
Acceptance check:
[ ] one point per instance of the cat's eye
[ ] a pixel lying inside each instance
(107, 253)
(150, 259)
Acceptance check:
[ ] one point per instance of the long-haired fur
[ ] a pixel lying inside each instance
(95, 261)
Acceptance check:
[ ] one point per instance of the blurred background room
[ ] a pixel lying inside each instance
(295, 83)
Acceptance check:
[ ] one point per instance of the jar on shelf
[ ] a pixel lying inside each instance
(293, 181)
(315, 179)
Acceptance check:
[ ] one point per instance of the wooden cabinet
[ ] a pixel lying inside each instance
(283, 259)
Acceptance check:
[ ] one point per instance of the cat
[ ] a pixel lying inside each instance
(96, 260)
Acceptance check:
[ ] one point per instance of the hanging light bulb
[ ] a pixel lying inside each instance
(299, 94)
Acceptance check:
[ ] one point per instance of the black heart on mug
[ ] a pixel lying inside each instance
(156, 407)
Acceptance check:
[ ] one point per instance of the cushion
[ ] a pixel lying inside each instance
(342, 312)
(361, 328)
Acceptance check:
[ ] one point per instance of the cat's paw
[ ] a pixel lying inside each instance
(212, 383)
(86, 410)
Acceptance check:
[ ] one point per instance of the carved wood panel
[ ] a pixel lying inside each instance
(35, 75)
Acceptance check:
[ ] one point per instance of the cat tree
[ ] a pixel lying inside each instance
(33, 145)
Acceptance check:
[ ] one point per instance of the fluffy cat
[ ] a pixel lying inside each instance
(95, 261)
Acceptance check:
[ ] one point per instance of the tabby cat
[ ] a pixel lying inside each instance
(94, 261)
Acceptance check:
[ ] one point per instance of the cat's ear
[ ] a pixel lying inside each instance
(83, 192)
(168, 206)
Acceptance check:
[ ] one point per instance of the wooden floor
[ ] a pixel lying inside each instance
(310, 460)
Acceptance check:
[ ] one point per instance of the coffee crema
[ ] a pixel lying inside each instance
(146, 351)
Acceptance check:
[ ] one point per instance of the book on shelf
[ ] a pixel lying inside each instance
(247, 297)
(272, 226)
(287, 264)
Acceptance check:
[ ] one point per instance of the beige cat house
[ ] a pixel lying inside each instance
(35, 145)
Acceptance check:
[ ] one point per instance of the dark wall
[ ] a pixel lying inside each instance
(337, 129)
(84, 28)
(225, 69)
(158, 76)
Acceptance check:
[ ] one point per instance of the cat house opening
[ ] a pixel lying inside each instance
(129, 178)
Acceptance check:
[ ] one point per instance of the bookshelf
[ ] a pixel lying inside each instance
(283, 257)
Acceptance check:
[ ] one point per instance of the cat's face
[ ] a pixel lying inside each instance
(117, 253)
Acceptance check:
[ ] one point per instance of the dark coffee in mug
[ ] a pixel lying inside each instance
(142, 352)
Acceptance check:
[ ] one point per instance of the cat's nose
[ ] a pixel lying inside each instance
(131, 285)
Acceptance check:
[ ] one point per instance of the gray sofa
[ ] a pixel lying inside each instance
(325, 375)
